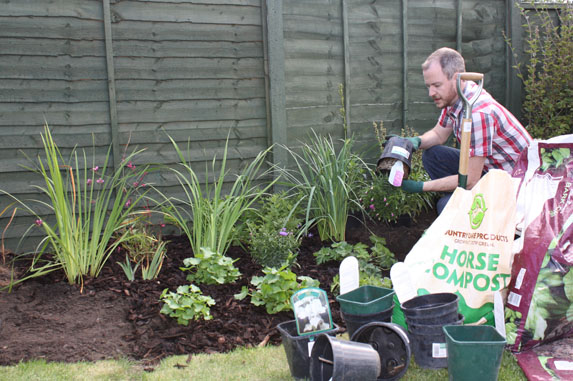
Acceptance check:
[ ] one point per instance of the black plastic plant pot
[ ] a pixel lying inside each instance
(296, 348)
(355, 321)
(396, 148)
(431, 308)
(334, 359)
(429, 343)
(392, 344)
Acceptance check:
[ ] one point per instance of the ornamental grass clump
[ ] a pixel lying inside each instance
(90, 202)
(208, 215)
(326, 178)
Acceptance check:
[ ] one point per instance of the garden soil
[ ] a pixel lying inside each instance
(110, 317)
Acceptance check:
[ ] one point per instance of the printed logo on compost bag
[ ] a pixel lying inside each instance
(477, 211)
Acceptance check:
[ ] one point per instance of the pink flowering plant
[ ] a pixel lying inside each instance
(87, 203)
(384, 202)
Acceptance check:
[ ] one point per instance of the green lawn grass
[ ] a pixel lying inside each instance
(267, 363)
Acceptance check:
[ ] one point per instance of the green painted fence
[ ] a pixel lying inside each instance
(132, 72)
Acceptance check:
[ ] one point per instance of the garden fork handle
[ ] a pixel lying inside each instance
(466, 124)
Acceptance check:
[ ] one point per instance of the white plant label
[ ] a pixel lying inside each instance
(349, 275)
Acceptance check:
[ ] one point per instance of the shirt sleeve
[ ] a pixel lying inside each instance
(445, 120)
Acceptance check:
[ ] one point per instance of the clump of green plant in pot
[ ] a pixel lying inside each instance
(546, 69)
(384, 202)
(274, 232)
(275, 288)
(186, 304)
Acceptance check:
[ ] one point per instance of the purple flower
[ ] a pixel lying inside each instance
(309, 235)
(283, 232)
(128, 203)
(39, 222)
(89, 182)
(130, 165)
(100, 181)
(372, 207)
(95, 169)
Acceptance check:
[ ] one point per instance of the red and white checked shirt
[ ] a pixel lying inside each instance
(496, 134)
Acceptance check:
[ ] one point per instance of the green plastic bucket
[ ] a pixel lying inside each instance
(474, 352)
(366, 300)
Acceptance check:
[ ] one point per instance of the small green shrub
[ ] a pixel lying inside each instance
(186, 304)
(209, 267)
(365, 279)
(275, 289)
(547, 71)
(274, 233)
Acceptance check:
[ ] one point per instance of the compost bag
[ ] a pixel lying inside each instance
(539, 304)
(467, 250)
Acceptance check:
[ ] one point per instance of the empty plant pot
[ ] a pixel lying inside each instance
(392, 344)
(474, 352)
(296, 348)
(355, 321)
(428, 344)
(337, 360)
(431, 308)
(366, 300)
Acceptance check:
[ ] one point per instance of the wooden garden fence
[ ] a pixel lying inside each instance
(132, 73)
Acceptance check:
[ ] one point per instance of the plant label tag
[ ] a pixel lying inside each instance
(349, 275)
(311, 311)
(396, 174)
(402, 281)
(498, 313)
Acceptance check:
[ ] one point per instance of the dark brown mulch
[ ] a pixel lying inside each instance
(49, 319)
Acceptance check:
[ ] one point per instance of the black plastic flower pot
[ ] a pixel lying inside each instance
(296, 348)
(431, 308)
(392, 344)
(396, 149)
(429, 343)
(355, 321)
(336, 360)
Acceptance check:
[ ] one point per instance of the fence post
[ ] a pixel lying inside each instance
(277, 79)
(514, 86)
(346, 48)
(111, 84)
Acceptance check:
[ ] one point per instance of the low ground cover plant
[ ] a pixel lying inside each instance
(370, 263)
(209, 267)
(186, 304)
(275, 288)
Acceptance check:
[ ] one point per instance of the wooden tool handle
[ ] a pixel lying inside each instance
(471, 76)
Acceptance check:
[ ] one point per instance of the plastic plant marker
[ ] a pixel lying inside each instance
(396, 174)
(498, 313)
(311, 311)
(349, 275)
(402, 282)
